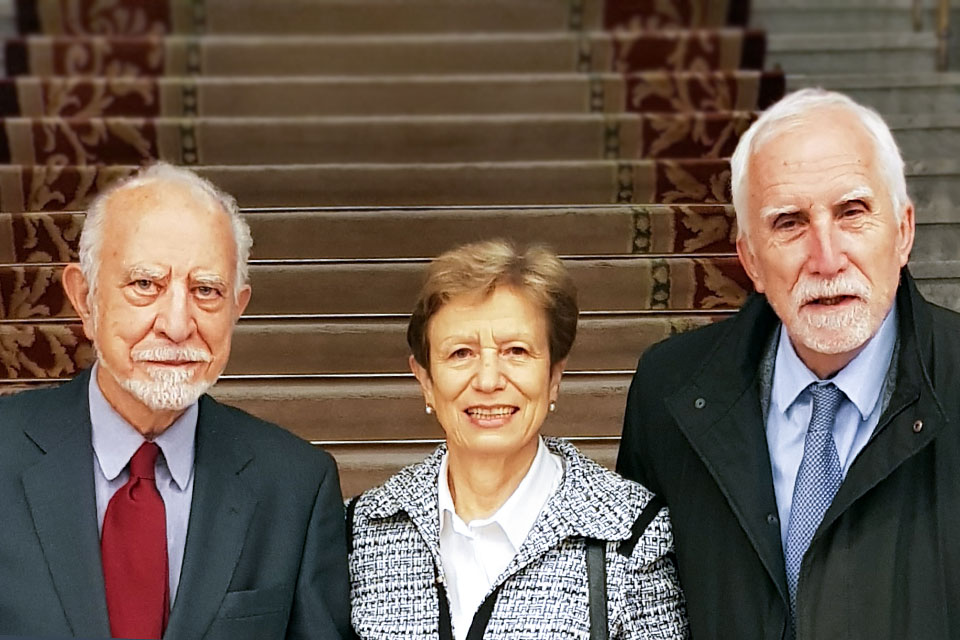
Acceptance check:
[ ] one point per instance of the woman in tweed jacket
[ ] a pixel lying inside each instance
(490, 536)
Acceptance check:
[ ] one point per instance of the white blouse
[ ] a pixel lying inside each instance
(475, 553)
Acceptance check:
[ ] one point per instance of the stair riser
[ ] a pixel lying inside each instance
(409, 95)
(627, 284)
(393, 140)
(356, 234)
(333, 348)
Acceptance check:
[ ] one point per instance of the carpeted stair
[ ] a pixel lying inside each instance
(363, 137)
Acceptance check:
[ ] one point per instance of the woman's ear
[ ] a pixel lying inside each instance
(423, 377)
(77, 290)
(556, 372)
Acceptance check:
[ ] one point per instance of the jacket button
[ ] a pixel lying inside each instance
(918, 426)
(699, 403)
(772, 519)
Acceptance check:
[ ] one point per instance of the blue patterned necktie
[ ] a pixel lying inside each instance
(818, 479)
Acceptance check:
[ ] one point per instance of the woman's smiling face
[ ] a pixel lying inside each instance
(490, 380)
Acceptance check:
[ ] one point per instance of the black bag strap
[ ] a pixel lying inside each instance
(480, 619)
(646, 516)
(597, 581)
(351, 505)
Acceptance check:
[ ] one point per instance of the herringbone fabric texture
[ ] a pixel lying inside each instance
(818, 479)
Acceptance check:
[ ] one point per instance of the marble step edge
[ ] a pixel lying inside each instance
(842, 42)
(844, 80)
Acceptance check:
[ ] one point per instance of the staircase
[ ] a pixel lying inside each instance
(363, 137)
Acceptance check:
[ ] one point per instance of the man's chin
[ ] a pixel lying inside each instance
(832, 335)
(165, 395)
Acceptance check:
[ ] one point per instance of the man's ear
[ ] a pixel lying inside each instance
(243, 299)
(423, 377)
(907, 229)
(749, 262)
(77, 289)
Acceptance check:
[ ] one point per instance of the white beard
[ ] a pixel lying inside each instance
(168, 389)
(833, 331)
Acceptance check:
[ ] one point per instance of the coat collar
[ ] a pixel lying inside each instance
(590, 502)
(59, 490)
(220, 513)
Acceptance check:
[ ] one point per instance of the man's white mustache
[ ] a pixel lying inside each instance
(171, 354)
(810, 289)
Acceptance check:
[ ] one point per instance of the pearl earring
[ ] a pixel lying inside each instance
(428, 410)
(552, 407)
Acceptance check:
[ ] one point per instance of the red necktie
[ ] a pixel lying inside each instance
(134, 551)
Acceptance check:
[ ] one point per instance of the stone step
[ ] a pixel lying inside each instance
(940, 280)
(933, 184)
(384, 17)
(385, 233)
(415, 139)
(891, 92)
(677, 50)
(349, 287)
(822, 53)
(833, 17)
(521, 93)
(381, 139)
(936, 242)
(346, 346)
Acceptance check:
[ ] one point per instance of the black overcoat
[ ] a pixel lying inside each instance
(885, 562)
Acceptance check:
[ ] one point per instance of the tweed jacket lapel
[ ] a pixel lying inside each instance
(589, 503)
(413, 490)
(60, 494)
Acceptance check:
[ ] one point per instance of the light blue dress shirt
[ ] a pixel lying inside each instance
(791, 405)
(114, 443)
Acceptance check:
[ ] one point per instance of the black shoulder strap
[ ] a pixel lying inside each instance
(597, 581)
(351, 505)
(640, 524)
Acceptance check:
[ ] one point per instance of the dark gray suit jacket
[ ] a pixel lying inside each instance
(265, 553)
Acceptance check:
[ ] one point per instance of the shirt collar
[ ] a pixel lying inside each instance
(861, 380)
(517, 515)
(115, 440)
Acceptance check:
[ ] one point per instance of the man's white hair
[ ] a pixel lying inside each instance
(91, 239)
(801, 108)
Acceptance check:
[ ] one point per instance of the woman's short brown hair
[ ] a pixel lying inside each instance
(481, 267)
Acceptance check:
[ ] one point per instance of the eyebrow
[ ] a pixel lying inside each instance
(145, 272)
(772, 212)
(860, 193)
(209, 280)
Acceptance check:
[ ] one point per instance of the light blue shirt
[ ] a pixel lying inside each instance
(791, 405)
(114, 443)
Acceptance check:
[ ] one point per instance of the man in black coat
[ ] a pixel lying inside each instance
(136, 506)
(794, 515)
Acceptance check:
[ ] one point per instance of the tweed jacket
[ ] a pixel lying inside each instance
(395, 559)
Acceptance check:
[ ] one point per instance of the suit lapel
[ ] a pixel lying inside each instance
(220, 514)
(60, 494)
(720, 415)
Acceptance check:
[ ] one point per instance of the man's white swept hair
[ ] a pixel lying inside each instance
(91, 239)
(801, 108)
